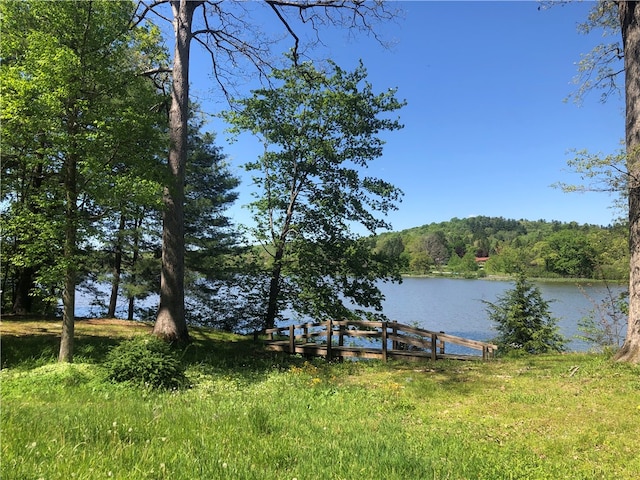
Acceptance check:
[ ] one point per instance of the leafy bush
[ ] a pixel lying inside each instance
(523, 320)
(146, 361)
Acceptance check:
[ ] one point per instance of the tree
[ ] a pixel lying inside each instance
(215, 289)
(436, 247)
(229, 33)
(71, 75)
(523, 320)
(319, 130)
(570, 254)
(629, 13)
(209, 191)
(600, 69)
(509, 259)
(465, 264)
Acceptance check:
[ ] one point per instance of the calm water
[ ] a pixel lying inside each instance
(456, 306)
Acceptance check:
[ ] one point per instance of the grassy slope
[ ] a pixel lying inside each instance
(251, 414)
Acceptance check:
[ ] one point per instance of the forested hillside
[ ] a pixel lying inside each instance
(495, 245)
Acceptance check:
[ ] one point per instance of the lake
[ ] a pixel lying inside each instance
(456, 306)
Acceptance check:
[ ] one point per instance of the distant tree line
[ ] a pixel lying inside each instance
(498, 246)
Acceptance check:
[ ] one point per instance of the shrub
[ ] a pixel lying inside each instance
(606, 323)
(146, 361)
(523, 320)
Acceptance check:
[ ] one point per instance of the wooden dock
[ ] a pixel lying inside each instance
(392, 340)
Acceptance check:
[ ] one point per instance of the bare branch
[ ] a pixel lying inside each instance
(355, 14)
(296, 39)
(145, 7)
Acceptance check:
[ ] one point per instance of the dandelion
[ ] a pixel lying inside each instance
(224, 465)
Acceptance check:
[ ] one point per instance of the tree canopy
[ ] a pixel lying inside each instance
(75, 111)
(320, 131)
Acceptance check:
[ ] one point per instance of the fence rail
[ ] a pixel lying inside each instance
(327, 339)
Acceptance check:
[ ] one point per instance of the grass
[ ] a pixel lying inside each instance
(250, 414)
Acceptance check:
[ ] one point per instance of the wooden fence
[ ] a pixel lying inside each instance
(393, 341)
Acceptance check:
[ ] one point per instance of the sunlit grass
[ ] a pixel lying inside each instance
(253, 415)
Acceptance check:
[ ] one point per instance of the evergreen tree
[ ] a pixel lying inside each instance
(523, 321)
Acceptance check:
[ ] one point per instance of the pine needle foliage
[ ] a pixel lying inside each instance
(523, 320)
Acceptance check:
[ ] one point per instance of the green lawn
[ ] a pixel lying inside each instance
(250, 414)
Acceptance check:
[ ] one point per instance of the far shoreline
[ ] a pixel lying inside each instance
(510, 278)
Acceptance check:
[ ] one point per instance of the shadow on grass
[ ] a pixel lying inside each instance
(212, 352)
(31, 345)
(29, 351)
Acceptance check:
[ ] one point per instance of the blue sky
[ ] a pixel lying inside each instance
(487, 128)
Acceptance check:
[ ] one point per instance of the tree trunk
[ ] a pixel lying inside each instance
(117, 270)
(134, 261)
(630, 25)
(69, 292)
(22, 301)
(170, 323)
(274, 289)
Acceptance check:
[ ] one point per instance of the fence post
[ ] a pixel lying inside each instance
(292, 339)
(329, 332)
(442, 345)
(434, 346)
(384, 341)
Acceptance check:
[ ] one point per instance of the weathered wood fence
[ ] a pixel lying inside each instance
(396, 341)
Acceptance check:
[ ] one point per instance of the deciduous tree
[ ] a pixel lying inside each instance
(230, 32)
(320, 131)
(601, 69)
(629, 13)
(72, 81)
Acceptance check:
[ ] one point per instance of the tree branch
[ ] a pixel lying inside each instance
(296, 39)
